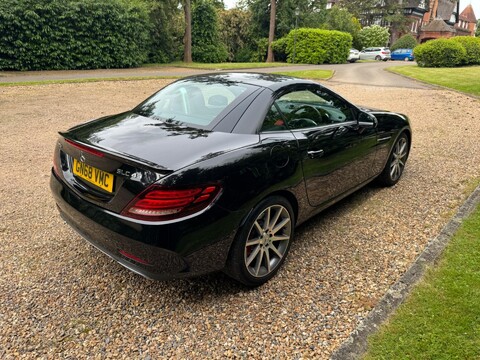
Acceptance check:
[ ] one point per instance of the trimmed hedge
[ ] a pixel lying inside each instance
(472, 47)
(315, 46)
(58, 35)
(440, 53)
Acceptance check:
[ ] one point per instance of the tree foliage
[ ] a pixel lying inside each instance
(407, 41)
(72, 34)
(477, 33)
(166, 31)
(374, 35)
(311, 14)
(341, 20)
(206, 44)
(235, 32)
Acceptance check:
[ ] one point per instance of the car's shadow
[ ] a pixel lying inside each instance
(218, 285)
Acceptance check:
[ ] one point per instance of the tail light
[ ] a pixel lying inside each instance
(159, 203)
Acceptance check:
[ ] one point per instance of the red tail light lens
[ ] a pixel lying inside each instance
(158, 203)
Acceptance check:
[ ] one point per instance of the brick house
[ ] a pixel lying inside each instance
(427, 20)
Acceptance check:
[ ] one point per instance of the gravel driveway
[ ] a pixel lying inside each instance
(60, 298)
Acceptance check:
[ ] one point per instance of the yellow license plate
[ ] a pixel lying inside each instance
(97, 177)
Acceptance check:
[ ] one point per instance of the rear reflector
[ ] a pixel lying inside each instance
(159, 203)
(133, 257)
(85, 148)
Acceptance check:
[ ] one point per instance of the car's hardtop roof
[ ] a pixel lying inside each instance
(270, 81)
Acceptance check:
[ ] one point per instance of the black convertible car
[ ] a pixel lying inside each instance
(214, 172)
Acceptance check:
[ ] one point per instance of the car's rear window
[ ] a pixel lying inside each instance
(193, 102)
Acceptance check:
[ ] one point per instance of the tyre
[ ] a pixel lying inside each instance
(406, 59)
(393, 170)
(262, 244)
(378, 58)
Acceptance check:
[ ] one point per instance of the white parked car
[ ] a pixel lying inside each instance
(375, 53)
(353, 56)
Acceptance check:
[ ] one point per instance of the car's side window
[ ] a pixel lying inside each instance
(273, 120)
(305, 109)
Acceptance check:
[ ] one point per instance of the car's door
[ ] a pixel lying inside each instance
(337, 153)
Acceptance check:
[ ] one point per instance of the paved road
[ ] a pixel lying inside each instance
(368, 73)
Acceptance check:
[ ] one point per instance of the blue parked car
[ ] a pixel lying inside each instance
(403, 54)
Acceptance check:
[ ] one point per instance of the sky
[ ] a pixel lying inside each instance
(463, 4)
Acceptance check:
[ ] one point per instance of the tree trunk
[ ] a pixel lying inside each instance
(187, 38)
(271, 32)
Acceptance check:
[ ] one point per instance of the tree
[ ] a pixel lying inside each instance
(187, 38)
(206, 44)
(167, 30)
(477, 33)
(271, 32)
(369, 12)
(311, 14)
(235, 32)
(341, 20)
(374, 35)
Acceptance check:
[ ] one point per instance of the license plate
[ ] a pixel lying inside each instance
(97, 177)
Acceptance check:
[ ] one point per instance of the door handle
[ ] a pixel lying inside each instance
(315, 154)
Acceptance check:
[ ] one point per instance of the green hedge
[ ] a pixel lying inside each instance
(315, 46)
(405, 42)
(88, 34)
(440, 53)
(472, 47)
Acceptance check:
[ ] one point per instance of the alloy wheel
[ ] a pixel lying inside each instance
(268, 240)
(399, 157)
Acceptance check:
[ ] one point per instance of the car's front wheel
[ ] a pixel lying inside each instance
(262, 243)
(396, 162)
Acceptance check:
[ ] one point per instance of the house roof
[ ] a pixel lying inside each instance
(468, 14)
(445, 9)
(438, 25)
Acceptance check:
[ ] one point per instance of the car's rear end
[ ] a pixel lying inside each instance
(116, 182)
(353, 56)
(120, 206)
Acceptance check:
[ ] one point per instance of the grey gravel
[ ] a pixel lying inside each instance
(60, 298)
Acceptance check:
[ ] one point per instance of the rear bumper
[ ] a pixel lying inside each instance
(188, 248)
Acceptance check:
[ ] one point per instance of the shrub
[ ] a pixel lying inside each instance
(206, 44)
(315, 46)
(405, 42)
(259, 54)
(472, 47)
(374, 35)
(88, 34)
(280, 49)
(440, 53)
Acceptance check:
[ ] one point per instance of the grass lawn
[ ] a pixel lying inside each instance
(309, 74)
(222, 66)
(465, 79)
(87, 80)
(441, 317)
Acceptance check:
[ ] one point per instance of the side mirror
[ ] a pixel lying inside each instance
(367, 119)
